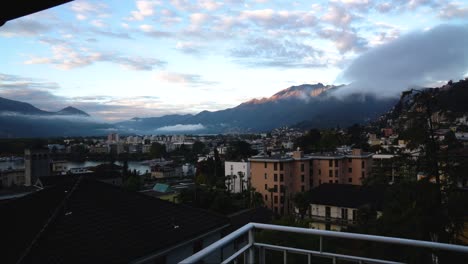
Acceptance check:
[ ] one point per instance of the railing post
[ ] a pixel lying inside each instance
(321, 244)
(251, 248)
(261, 255)
(285, 256)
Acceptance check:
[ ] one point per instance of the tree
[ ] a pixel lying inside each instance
(198, 148)
(302, 202)
(133, 183)
(158, 150)
(308, 142)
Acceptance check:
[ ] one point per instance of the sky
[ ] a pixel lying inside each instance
(118, 59)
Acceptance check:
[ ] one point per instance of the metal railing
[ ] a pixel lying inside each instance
(248, 251)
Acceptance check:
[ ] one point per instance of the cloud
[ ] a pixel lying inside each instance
(264, 52)
(345, 40)
(452, 11)
(145, 8)
(66, 56)
(11, 82)
(269, 18)
(416, 59)
(338, 16)
(85, 9)
(151, 32)
(188, 47)
(182, 78)
(180, 128)
(24, 27)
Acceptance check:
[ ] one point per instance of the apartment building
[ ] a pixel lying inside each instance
(342, 168)
(278, 178)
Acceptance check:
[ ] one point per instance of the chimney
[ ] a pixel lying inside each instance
(356, 152)
(298, 154)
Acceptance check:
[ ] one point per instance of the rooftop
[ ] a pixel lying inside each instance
(83, 221)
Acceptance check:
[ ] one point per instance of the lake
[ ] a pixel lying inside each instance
(132, 165)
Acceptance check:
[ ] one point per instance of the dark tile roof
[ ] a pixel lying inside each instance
(257, 215)
(98, 223)
(347, 195)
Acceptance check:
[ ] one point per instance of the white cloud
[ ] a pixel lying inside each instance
(453, 10)
(145, 8)
(181, 78)
(181, 128)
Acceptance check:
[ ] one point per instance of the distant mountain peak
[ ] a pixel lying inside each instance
(303, 91)
(69, 110)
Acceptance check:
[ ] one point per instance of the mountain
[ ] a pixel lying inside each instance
(19, 119)
(7, 105)
(315, 105)
(72, 111)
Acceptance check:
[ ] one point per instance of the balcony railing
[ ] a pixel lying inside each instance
(254, 252)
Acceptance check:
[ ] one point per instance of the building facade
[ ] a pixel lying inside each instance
(36, 164)
(237, 175)
(279, 178)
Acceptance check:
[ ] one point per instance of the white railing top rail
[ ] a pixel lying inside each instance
(200, 255)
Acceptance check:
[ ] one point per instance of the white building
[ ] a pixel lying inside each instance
(237, 175)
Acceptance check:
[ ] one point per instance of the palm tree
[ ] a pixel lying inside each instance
(271, 190)
(241, 182)
(302, 202)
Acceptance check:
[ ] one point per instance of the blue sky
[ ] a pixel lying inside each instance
(118, 59)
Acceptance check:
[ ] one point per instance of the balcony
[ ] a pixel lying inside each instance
(227, 249)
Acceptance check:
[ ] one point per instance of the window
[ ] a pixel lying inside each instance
(302, 167)
(320, 182)
(282, 199)
(265, 165)
(276, 199)
(281, 178)
(330, 173)
(319, 172)
(363, 164)
(336, 163)
(275, 166)
(344, 213)
(232, 167)
(336, 181)
(266, 197)
(302, 188)
(275, 189)
(350, 180)
(266, 186)
(281, 166)
(354, 215)
(275, 177)
(282, 189)
(266, 176)
(350, 160)
(302, 178)
(330, 181)
(330, 163)
(363, 174)
(327, 211)
(336, 173)
(327, 226)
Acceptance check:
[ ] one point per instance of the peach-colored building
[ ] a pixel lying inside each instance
(279, 178)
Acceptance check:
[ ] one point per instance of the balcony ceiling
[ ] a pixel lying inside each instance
(14, 9)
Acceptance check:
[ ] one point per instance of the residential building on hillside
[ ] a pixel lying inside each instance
(279, 177)
(36, 164)
(237, 175)
(335, 206)
(342, 168)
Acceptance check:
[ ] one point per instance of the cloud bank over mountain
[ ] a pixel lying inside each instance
(419, 58)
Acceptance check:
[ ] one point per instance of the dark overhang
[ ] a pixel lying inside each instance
(19, 8)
